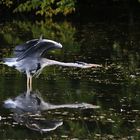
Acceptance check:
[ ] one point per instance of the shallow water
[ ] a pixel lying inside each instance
(112, 91)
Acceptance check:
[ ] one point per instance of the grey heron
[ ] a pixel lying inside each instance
(28, 58)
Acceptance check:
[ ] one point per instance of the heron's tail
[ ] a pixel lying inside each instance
(9, 61)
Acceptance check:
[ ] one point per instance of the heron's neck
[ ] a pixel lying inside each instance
(48, 62)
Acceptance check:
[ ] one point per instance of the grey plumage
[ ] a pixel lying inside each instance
(27, 57)
(35, 48)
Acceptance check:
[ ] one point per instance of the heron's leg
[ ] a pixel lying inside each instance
(30, 83)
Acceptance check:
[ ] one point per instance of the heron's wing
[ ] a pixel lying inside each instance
(38, 48)
(24, 47)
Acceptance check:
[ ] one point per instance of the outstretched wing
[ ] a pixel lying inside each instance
(24, 47)
(37, 47)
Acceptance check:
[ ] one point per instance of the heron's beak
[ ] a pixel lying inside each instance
(95, 65)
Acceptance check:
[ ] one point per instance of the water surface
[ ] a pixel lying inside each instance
(114, 88)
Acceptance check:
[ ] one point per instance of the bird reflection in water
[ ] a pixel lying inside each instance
(27, 108)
